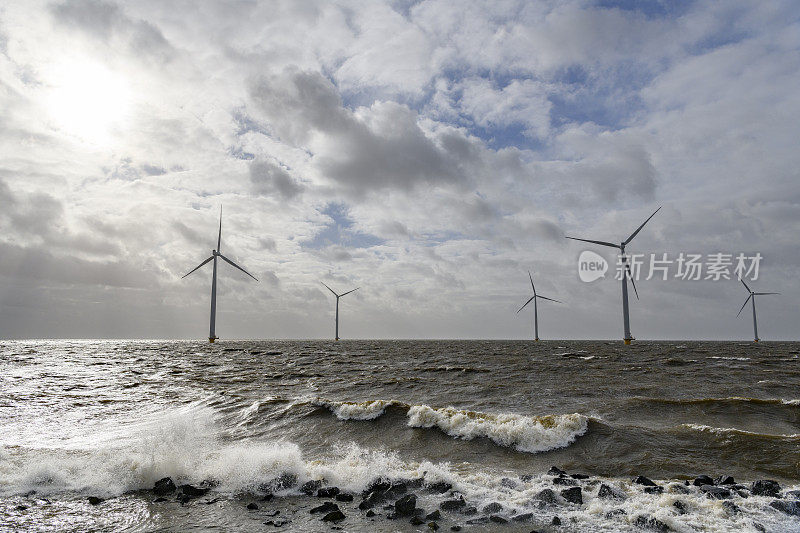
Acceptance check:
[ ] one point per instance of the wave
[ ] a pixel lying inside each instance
(369, 410)
(731, 399)
(523, 433)
(735, 431)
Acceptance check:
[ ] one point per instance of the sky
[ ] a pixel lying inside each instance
(430, 153)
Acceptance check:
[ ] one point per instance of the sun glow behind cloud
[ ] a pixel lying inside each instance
(88, 101)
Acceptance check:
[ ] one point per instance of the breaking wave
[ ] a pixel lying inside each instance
(369, 410)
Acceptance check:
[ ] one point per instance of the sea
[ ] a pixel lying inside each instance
(250, 423)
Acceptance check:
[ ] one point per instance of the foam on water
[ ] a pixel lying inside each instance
(722, 431)
(369, 410)
(531, 434)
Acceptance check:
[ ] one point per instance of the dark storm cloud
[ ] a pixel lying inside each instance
(268, 179)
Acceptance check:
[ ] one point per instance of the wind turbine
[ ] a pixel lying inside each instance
(535, 307)
(753, 297)
(337, 305)
(621, 246)
(214, 254)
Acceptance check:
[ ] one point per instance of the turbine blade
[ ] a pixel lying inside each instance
(630, 277)
(526, 303)
(745, 303)
(764, 293)
(640, 227)
(745, 285)
(348, 292)
(237, 266)
(334, 292)
(602, 243)
(546, 298)
(219, 237)
(532, 287)
(198, 266)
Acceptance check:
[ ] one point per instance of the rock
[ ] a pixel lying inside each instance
(648, 522)
(267, 497)
(273, 513)
(405, 506)
(310, 487)
(164, 486)
(681, 489)
(702, 480)
(679, 506)
(641, 480)
(379, 486)
(715, 493)
(433, 526)
(160, 499)
(573, 495)
(479, 520)
(370, 513)
(654, 490)
(492, 508)
(508, 483)
(193, 492)
(276, 523)
(282, 482)
(94, 500)
(731, 507)
(609, 492)
(435, 515)
(497, 519)
(792, 494)
(469, 511)
(327, 492)
(579, 476)
(344, 497)
(440, 487)
(790, 508)
(455, 528)
(417, 521)
(556, 521)
(724, 480)
(759, 527)
(547, 496)
(555, 471)
(522, 517)
(252, 506)
(615, 512)
(326, 507)
(20, 507)
(765, 487)
(334, 516)
(564, 481)
(452, 505)
(526, 478)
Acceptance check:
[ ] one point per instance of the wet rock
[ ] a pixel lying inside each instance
(160, 499)
(416, 521)
(435, 515)
(433, 526)
(492, 508)
(273, 513)
(759, 527)
(405, 506)
(579, 476)
(497, 519)
(20, 507)
(453, 505)
(765, 487)
(334, 516)
(193, 492)
(327, 492)
(522, 517)
(679, 506)
(526, 477)
(94, 500)
(792, 494)
(724, 480)
(654, 490)
(310, 487)
(653, 524)
(252, 506)
(164, 486)
(547, 496)
(282, 482)
(469, 511)
(681, 489)
(699, 481)
(344, 497)
(609, 492)
(276, 523)
(326, 507)
(273, 353)
(508, 483)
(479, 520)
(715, 493)
(573, 495)
(267, 497)
(731, 507)
(379, 486)
(440, 487)
(556, 521)
(641, 480)
(615, 512)
(555, 471)
(564, 481)
(370, 513)
(790, 508)
(455, 528)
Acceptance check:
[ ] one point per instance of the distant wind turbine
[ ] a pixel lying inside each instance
(337, 305)
(621, 246)
(753, 297)
(535, 307)
(214, 254)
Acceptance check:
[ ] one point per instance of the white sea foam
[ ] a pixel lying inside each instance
(531, 434)
(723, 431)
(369, 410)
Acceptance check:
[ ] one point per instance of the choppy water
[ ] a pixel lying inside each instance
(108, 418)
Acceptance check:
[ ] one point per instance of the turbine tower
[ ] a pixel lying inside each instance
(214, 254)
(337, 305)
(621, 246)
(535, 307)
(753, 297)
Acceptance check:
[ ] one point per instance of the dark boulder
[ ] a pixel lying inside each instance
(193, 492)
(334, 516)
(556, 521)
(94, 500)
(677, 487)
(790, 508)
(267, 497)
(452, 505)
(641, 480)
(654, 490)
(327, 492)
(679, 506)
(731, 507)
(724, 480)
(609, 492)
(715, 493)
(344, 497)
(615, 512)
(653, 524)
(310, 487)
(573, 495)
(433, 526)
(555, 471)
(282, 482)
(435, 515)
(522, 517)
(326, 507)
(492, 508)
(497, 519)
(792, 494)
(569, 482)
(455, 528)
(164, 486)
(252, 506)
(765, 487)
(416, 521)
(547, 496)
(160, 499)
(470, 510)
(699, 481)
(370, 513)
(405, 506)
(440, 487)
(379, 485)
(579, 476)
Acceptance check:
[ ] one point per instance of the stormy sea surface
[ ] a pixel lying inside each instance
(394, 431)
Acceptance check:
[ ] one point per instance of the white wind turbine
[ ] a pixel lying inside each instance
(337, 305)
(533, 299)
(214, 254)
(621, 246)
(753, 297)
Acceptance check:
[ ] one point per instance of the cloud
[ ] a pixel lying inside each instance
(269, 178)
